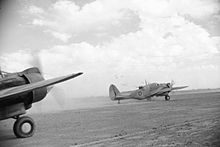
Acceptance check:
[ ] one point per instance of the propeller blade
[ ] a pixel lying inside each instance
(172, 83)
(36, 62)
(146, 83)
(59, 95)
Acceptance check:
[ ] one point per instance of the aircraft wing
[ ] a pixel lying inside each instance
(4, 94)
(181, 87)
(156, 91)
(170, 89)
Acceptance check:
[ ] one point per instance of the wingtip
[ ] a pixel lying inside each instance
(78, 74)
(176, 88)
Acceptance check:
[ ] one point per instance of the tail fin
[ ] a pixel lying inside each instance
(113, 92)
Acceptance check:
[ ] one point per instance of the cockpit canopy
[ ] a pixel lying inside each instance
(140, 87)
(155, 84)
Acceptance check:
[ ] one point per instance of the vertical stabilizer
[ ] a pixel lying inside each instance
(113, 92)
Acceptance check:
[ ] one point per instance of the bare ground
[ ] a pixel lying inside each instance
(186, 120)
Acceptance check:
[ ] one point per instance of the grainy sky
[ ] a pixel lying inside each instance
(122, 42)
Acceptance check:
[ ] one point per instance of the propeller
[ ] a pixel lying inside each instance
(172, 83)
(140, 87)
(56, 92)
(146, 83)
(59, 95)
(36, 62)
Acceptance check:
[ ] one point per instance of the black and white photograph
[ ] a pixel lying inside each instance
(110, 73)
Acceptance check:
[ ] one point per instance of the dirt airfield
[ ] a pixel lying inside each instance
(188, 119)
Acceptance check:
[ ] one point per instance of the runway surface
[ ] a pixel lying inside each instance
(185, 120)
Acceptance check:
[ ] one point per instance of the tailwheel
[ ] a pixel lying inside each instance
(118, 101)
(167, 97)
(24, 127)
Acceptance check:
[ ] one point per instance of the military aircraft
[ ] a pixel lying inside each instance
(17, 93)
(143, 92)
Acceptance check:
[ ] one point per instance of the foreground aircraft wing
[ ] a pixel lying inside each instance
(181, 87)
(4, 94)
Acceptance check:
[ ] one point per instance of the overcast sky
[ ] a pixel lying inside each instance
(122, 42)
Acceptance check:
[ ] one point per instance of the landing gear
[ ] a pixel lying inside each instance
(167, 97)
(24, 127)
(118, 101)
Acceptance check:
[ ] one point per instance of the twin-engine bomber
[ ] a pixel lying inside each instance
(143, 92)
(17, 93)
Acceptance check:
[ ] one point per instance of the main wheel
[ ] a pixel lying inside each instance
(167, 97)
(24, 127)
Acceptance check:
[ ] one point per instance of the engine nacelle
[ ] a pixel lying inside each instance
(38, 94)
(31, 75)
